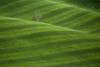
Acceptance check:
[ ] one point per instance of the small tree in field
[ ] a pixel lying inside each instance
(37, 16)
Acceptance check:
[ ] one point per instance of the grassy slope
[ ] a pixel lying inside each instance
(56, 41)
(52, 10)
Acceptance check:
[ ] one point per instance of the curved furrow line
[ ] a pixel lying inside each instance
(83, 20)
(61, 60)
(62, 37)
(11, 3)
(97, 30)
(67, 18)
(92, 28)
(54, 13)
(54, 19)
(66, 21)
(37, 51)
(73, 4)
(47, 27)
(50, 9)
(90, 24)
(51, 54)
(46, 46)
(18, 3)
(13, 8)
(77, 19)
(42, 11)
(28, 8)
(91, 63)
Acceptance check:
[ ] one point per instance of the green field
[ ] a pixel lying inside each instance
(49, 33)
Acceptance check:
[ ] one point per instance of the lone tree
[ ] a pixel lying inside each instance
(37, 16)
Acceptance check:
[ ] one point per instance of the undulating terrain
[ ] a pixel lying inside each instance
(49, 33)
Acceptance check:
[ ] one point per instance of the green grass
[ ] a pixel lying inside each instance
(67, 35)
